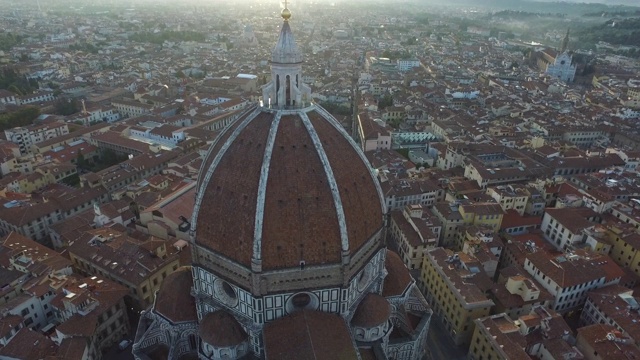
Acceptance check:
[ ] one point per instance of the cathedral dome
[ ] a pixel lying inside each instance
(286, 189)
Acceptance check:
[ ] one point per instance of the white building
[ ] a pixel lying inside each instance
(39, 97)
(168, 135)
(562, 68)
(408, 64)
(7, 97)
(24, 137)
(399, 193)
(563, 228)
(569, 278)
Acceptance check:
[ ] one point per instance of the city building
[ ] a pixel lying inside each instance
(603, 342)
(414, 230)
(613, 305)
(482, 214)
(91, 310)
(516, 293)
(399, 193)
(456, 291)
(27, 136)
(625, 247)
(541, 334)
(408, 64)
(563, 228)
(138, 265)
(570, 277)
(34, 217)
(510, 197)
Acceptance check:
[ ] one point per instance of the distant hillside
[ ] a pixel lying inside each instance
(567, 6)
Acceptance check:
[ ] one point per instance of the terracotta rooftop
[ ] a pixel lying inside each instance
(29, 345)
(309, 335)
(398, 277)
(221, 329)
(174, 300)
(596, 338)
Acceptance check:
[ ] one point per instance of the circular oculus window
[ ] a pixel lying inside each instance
(225, 293)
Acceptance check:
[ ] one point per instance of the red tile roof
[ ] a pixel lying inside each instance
(309, 334)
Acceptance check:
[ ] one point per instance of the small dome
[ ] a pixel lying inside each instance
(374, 310)
(220, 329)
(174, 300)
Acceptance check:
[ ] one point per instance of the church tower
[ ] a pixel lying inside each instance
(565, 42)
(286, 89)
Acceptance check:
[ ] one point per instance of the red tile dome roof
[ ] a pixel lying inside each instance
(285, 187)
(373, 311)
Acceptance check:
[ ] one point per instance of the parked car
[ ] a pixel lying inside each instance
(124, 344)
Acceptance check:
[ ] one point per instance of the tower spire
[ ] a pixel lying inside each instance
(565, 42)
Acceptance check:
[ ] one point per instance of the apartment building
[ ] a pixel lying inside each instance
(563, 228)
(569, 278)
(541, 334)
(27, 136)
(625, 248)
(604, 342)
(139, 265)
(455, 287)
(613, 305)
(92, 309)
(414, 230)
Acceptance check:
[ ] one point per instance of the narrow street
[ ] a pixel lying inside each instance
(440, 345)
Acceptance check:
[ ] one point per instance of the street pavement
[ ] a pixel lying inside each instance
(440, 346)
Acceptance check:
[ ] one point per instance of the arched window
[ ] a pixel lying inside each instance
(301, 300)
(288, 91)
(277, 87)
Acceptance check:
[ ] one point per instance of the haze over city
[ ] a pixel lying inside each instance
(367, 180)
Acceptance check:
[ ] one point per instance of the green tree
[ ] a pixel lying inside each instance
(80, 161)
(21, 117)
(66, 106)
(385, 102)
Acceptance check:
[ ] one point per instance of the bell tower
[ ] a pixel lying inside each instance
(565, 42)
